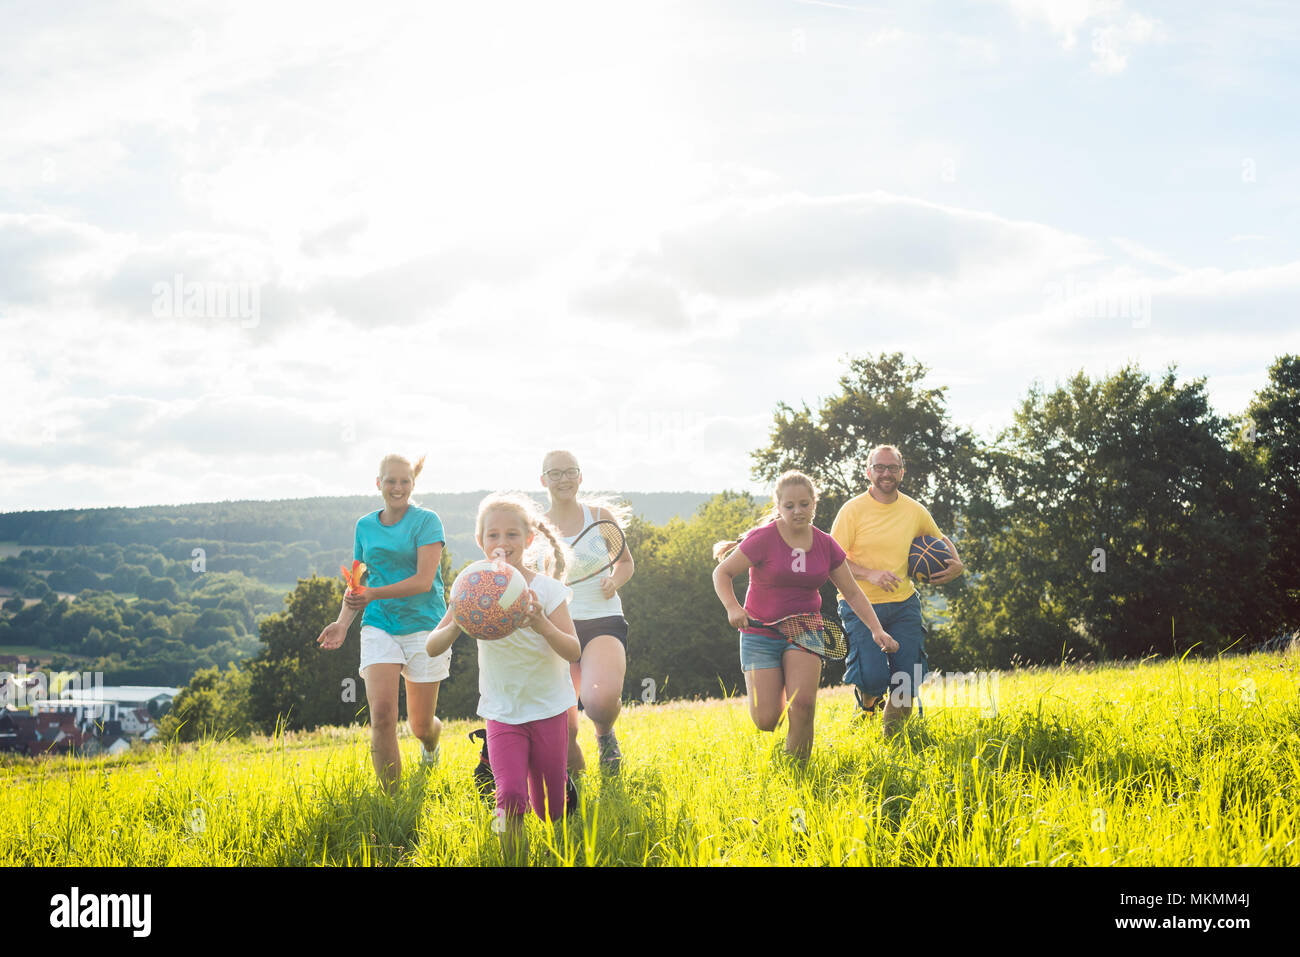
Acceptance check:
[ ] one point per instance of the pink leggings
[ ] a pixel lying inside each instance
(530, 759)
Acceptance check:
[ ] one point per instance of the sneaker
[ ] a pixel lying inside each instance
(483, 778)
(429, 759)
(864, 710)
(611, 758)
(570, 795)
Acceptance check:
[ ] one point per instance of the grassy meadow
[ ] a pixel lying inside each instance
(1160, 763)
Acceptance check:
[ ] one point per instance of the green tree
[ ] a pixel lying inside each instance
(157, 589)
(1117, 520)
(294, 678)
(882, 400)
(1271, 435)
(125, 578)
(680, 639)
(74, 579)
(93, 643)
(444, 567)
(213, 704)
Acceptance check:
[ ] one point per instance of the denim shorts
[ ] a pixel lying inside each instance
(873, 670)
(763, 651)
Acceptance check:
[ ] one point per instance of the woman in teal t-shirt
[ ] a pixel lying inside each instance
(401, 545)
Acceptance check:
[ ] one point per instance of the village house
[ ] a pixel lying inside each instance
(39, 734)
(95, 721)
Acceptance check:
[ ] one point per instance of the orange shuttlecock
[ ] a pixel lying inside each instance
(353, 575)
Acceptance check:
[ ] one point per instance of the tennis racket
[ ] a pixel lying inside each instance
(600, 545)
(811, 632)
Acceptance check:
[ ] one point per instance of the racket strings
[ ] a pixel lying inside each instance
(598, 547)
(813, 633)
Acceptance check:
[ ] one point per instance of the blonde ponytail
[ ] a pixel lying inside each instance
(722, 549)
(552, 562)
(388, 460)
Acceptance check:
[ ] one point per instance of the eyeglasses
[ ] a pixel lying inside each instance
(556, 474)
(891, 469)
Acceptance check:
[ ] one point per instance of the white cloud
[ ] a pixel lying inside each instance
(1113, 31)
(41, 254)
(773, 246)
(483, 232)
(1143, 254)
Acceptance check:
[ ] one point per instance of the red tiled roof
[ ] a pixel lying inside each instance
(56, 719)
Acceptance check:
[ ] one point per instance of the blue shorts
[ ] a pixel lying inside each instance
(763, 651)
(874, 671)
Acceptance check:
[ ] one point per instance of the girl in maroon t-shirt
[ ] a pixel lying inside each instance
(788, 559)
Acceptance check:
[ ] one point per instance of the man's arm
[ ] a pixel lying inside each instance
(953, 568)
(879, 577)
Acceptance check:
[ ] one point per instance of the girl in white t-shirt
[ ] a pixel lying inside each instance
(525, 691)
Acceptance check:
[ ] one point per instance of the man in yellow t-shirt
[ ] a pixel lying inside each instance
(876, 530)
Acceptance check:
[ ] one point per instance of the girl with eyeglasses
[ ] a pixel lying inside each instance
(597, 612)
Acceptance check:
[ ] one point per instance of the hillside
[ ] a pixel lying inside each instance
(326, 521)
(151, 595)
(1165, 764)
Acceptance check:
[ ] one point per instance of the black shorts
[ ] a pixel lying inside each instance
(588, 629)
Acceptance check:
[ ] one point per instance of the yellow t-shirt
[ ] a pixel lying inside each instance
(879, 536)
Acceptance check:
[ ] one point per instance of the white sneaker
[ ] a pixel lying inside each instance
(429, 759)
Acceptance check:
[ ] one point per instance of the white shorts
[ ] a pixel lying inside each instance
(378, 647)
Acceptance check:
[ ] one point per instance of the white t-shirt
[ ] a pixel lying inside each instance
(520, 677)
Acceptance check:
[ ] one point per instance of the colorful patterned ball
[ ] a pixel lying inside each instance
(489, 600)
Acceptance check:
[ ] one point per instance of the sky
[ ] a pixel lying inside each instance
(248, 249)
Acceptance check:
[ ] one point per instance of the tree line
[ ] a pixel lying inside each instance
(307, 527)
(1115, 517)
(157, 611)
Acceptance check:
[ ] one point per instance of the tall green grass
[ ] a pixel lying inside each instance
(1175, 763)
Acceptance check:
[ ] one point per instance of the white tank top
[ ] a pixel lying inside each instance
(588, 602)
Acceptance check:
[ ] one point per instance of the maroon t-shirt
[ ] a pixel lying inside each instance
(783, 580)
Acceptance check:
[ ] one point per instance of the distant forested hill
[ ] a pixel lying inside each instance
(151, 595)
(324, 522)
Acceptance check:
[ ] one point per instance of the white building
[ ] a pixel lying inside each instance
(128, 704)
(128, 696)
(135, 721)
(83, 710)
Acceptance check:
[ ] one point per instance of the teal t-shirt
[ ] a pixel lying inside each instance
(389, 552)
